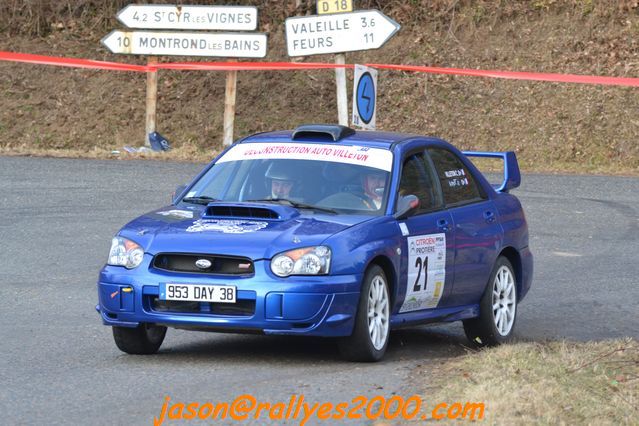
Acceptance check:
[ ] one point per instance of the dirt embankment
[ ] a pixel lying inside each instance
(552, 126)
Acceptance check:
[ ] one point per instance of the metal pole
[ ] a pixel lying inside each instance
(340, 82)
(229, 105)
(151, 100)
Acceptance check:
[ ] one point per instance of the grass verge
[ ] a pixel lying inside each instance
(547, 383)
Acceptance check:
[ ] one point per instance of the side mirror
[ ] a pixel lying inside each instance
(178, 191)
(406, 205)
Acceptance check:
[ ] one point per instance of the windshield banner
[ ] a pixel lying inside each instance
(360, 155)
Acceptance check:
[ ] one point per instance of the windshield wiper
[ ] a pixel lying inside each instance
(295, 204)
(199, 200)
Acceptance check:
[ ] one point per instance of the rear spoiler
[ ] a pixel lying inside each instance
(512, 177)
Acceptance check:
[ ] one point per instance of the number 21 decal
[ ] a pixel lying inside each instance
(424, 267)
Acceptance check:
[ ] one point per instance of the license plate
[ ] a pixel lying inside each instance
(198, 292)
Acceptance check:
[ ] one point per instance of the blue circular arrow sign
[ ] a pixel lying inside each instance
(366, 97)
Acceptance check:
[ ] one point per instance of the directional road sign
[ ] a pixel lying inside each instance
(172, 17)
(233, 45)
(364, 97)
(343, 32)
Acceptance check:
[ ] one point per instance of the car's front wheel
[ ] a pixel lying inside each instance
(372, 322)
(498, 308)
(144, 339)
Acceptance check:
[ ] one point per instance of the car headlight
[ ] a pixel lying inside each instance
(303, 261)
(125, 253)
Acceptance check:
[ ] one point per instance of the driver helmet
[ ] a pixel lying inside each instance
(374, 183)
(282, 180)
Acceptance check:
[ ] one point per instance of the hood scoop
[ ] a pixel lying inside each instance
(249, 211)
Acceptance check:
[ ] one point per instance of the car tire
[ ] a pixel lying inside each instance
(498, 308)
(371, 333)
(144, 339)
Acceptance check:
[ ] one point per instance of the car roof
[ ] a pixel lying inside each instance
(384, 140)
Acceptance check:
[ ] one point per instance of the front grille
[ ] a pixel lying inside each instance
(243, 307)
(220, 265)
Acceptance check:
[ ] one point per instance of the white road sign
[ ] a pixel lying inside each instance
(364, 97)
(232, 45)
(172, 17)
(344, 32)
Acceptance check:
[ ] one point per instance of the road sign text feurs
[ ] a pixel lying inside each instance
(345, 32)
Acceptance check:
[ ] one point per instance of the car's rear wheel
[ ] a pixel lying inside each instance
(498, 308)
(372, 322)
(144, 339)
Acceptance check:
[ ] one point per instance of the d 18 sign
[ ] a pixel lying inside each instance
(334, 6)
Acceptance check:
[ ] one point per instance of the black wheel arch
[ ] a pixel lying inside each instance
(391, 275)
(514, 258)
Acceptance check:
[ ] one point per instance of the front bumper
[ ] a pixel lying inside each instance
(315, 306)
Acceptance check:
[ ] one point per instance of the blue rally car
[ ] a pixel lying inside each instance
(325, 231)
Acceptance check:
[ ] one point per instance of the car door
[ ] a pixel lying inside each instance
(477, 230)
(428, 236)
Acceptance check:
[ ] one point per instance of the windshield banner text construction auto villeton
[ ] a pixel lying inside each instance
(359, 155)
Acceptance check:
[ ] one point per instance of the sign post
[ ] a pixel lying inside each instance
(338, 6)
(340, 83)
(193, 43)
(229, 106)
(151, 100)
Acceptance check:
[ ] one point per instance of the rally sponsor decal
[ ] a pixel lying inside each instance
(359, 155)
(181, 214)
(456, 178)
(226, 226)
(426, 272)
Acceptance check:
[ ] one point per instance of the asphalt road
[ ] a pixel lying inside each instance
(59, 365)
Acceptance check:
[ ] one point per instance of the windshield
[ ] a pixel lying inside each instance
(346, 179)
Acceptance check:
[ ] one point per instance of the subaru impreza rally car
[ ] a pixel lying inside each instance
(325, 231)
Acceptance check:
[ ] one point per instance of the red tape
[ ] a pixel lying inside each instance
(288, 66)
(247, 66)
(70, 62)
(517, 75)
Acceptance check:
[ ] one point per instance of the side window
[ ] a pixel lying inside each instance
(418, 179)
(458, 185)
